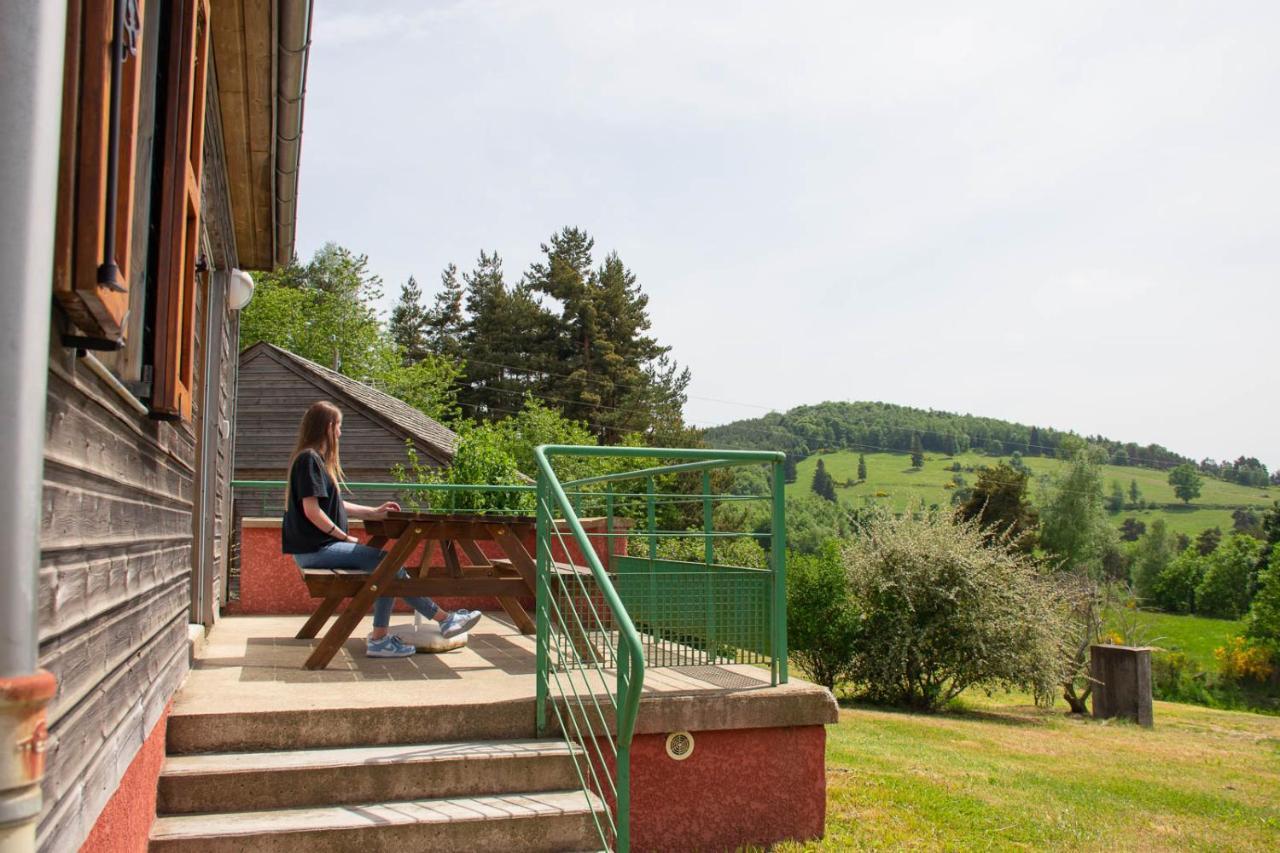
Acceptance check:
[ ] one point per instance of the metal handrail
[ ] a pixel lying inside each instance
(630, 653)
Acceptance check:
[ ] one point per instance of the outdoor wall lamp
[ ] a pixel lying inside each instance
(239, 289)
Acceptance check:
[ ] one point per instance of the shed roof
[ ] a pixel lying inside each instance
(395, 413)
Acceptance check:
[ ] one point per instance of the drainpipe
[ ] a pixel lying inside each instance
(32, 41)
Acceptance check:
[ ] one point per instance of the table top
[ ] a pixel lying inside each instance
(450, 525)
(470, 517)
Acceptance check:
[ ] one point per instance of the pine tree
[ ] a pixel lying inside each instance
(408, 323)
(917, 451)
(789, 468)
(1135, 494)
(609, 371)
(823, 484)
(507, 343)
(1033, 443)
(862, 466)
(445, 322)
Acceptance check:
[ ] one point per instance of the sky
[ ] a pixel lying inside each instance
(1056, 213)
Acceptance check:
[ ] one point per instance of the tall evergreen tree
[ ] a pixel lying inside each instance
(823, 484)
(408, 323)
(609, 371)
(917, 451)
(445, 323)
(1135, 494)
(1033, 443)
(862, 466)
(506, 342)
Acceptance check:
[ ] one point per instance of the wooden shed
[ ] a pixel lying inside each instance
(276, 387)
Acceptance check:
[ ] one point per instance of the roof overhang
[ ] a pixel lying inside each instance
(260, 51)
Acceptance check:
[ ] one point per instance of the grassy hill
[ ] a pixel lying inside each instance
(892, 480)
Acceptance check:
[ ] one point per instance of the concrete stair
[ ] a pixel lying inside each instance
(556, 820)
(474, 790)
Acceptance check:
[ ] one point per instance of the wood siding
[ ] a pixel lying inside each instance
(118, 548)
(272, 398)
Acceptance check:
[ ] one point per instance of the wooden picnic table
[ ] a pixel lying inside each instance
(466, 571)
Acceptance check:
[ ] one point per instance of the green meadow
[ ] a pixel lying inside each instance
(998, 773)
(892, 480)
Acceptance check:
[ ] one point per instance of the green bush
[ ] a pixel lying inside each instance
(822, 620)
(943, 610)
(1175, 677)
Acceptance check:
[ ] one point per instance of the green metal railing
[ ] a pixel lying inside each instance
(599, 629)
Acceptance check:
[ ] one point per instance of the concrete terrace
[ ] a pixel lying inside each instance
(247, 686)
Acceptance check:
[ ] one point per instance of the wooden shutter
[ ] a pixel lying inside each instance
(176, 291)
(99, 310)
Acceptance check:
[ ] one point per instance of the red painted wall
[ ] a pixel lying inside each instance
(739, 787)
(125, 823)
(270, 583)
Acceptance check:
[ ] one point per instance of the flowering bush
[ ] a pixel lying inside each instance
(1240, 661)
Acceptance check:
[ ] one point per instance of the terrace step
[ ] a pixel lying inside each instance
(246, 781)
(194, 731)
(557, 820)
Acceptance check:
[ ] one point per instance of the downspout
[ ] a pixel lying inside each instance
(293, 47)
(32, 42)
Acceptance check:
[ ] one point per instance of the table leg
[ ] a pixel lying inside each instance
(360, 604)
(317, 620)
(518, 615)
(525, 566)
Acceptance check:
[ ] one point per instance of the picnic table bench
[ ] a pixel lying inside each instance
(466, 571)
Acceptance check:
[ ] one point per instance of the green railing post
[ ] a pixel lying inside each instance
(778, 547)
(708, 540)
(542, 593)
(623, 840)
(608, 515)
(653, 522)
(709, 555)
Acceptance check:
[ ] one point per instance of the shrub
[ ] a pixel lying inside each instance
(1178, 678)
(943, 610)
(1240, 661)
(822, 620)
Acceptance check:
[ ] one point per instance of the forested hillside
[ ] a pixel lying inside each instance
(886, 428)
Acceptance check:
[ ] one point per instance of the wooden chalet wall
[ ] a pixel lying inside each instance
(118, 533)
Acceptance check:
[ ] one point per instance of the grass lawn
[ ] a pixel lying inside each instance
(1000, 773)
(892, 480)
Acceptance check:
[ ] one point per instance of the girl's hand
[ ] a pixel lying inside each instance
(353, 540)
(389, 506)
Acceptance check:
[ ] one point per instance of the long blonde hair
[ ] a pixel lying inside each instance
(315, 434)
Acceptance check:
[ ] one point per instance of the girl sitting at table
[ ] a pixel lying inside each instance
(315, 528)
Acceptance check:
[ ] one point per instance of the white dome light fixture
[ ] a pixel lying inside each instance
(239, 289)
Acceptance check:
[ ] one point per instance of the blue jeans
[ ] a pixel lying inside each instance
(362, 558)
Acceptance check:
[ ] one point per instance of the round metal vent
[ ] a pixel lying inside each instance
(679, 745)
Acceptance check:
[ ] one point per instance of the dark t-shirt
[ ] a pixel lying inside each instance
(307, 479)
